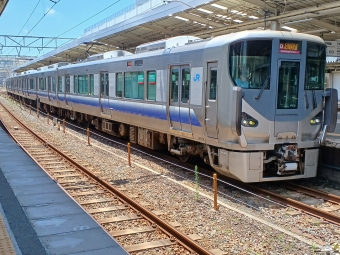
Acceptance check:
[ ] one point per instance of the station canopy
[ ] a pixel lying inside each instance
(3, 4)
(152, 20)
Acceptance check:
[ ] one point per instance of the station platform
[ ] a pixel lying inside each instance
(333, 139)
(38, 217)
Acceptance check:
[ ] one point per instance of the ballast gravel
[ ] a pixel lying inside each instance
(178, 197)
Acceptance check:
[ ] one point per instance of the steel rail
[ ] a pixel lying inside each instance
(314, 193)
(173, 233)
(297, 205)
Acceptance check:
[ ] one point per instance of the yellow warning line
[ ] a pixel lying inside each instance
(6, 246)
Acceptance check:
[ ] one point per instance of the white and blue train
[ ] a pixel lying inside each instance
(251, 104)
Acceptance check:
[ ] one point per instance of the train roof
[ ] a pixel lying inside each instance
(195, 44)
(261, 34)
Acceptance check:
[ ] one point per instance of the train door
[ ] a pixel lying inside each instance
(49, 87)
(27, 86)
(24, 88)
(29, 81)
(104, 92)
(67, 89)
(289, 80)
(179, 109)
(211, 101)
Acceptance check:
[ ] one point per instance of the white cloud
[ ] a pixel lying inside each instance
(51, 12)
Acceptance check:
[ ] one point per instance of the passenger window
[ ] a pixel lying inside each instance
(134, 85)
(213, 83)
(151, 95)
(53, 84)
(119, 85)
(75, 84)
(185, 85)
(60, 84)
(83, 84)
(67, 84)
(49, 83)
(91, 84)
(104, 83)
(42, 84)
(31, 84)
(174, 85)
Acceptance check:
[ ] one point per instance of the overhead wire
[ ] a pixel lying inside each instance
(26, 22)
(39, 20)
(82, 22)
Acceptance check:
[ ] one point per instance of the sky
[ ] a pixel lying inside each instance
(63, 16)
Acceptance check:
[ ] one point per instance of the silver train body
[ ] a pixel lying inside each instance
(184, 95)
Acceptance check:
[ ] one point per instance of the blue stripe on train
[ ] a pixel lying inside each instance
(137, 108)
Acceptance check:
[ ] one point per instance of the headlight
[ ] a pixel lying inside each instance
(248, 121)
(316, 120)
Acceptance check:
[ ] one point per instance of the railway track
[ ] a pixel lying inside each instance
(327, 214)
(111, 228)
(132, 225)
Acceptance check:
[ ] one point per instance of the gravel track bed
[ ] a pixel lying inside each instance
(170, 250)
(111, 214)
(143, 237)
(102, 205)
(225, 229)
(299, 196)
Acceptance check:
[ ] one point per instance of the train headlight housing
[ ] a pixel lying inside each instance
(248, 121)
(316, 120)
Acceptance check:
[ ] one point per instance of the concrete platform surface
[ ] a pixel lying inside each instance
(42, 218)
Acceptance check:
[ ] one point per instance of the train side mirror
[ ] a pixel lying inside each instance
(331, 109)
(237, 113)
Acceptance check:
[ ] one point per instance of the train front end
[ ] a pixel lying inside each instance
(279, 110)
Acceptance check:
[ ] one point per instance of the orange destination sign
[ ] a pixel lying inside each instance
(289, 48)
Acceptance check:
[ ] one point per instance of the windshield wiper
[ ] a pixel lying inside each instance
(264, 85)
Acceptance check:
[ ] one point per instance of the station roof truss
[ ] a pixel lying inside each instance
(31, 42)
(202, 18)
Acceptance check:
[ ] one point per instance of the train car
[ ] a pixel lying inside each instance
(251, 104)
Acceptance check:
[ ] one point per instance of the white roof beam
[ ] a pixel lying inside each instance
(200, 19)
(314, 31)
(131, 36)
(232, 30)
(261, 4)
(292, 14)
(158, 28)
(325, 25)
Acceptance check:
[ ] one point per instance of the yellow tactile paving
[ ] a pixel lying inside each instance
(6, 246)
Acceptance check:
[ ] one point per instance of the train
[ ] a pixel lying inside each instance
(253, 104)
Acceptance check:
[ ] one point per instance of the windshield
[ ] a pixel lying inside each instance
(249, 63)
(315, 66)
(288, 86)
